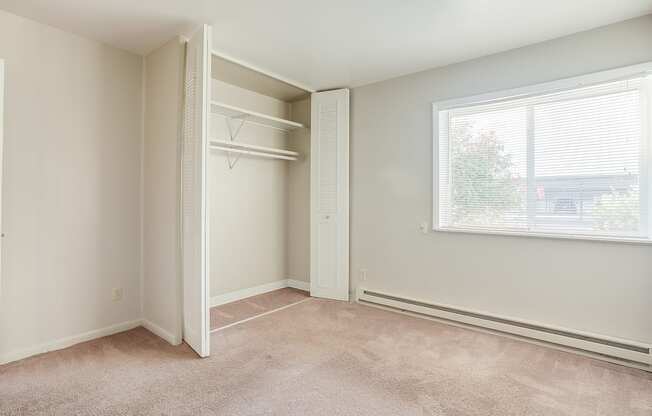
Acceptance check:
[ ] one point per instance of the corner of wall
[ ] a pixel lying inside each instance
(173, 339)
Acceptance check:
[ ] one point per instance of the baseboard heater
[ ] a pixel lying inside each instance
(627, 352)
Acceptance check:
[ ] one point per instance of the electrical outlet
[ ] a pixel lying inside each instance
(116, 294)
(363, 275)
(423, 227)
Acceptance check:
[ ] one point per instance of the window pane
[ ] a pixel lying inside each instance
(586, 161)
(488, 169)
(582, 149)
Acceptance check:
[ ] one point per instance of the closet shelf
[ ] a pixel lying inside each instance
(254, 117)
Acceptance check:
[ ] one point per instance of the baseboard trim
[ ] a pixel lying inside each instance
(160, 332)
(258, 290)
(299, 284)
(66, 342)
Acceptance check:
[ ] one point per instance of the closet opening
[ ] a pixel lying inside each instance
(264, 193)
(258, 194)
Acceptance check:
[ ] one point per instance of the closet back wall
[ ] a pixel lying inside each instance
(71, 187)
(249, 203)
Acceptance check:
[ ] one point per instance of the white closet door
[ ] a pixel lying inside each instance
(329, 191)
(193, 193)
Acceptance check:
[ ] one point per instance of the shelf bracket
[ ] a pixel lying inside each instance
(234, 135)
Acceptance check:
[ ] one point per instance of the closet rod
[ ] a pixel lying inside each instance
(254, 147)
(251, 152)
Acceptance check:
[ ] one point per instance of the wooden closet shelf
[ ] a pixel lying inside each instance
(254, 117)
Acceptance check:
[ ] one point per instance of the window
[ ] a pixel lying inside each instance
(567, 159)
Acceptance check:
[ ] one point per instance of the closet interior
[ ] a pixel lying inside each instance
(258, 186)
(264, 188)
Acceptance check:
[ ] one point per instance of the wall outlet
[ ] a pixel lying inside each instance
(116, 294)
(363, 275)
(424, 227)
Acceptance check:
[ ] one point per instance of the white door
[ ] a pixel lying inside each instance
(329, 195)
(193, 193)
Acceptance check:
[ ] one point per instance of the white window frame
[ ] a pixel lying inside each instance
(550, 87)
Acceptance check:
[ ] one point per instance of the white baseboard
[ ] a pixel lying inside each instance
(68, 341)
(258, 290)
(149, 325)
(157, 330)
(299, 284)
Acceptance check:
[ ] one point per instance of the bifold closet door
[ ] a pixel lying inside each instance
(193, 193)
(329, 195)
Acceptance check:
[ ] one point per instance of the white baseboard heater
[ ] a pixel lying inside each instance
(626, 352)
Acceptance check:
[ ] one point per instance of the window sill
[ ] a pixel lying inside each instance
(578, 237)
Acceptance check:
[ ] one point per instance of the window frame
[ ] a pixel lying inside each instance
(545, 88)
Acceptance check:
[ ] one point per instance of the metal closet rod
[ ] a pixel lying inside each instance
(232, 143)
(251, 152)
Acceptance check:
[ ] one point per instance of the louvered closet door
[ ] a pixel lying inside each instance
(193, 192)
(329, 221)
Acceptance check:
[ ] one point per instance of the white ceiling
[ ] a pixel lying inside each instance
(326, 44)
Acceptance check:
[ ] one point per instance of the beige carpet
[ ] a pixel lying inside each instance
(323, 358)
(240, 310)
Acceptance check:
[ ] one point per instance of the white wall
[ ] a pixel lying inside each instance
(161, 257)
(604, 288)
(70, 187)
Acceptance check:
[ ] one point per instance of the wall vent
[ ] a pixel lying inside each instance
(622, 350)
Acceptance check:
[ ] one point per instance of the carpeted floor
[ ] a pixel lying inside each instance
(323, 358)
(230, 313)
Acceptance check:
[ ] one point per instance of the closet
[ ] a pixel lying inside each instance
(264, 193)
